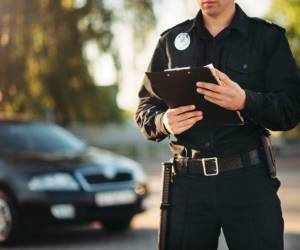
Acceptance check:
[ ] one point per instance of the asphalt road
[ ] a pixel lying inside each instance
(144, 227)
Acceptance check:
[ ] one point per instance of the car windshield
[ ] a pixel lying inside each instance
(37, 138)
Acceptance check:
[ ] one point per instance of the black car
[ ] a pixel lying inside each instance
(47, 175)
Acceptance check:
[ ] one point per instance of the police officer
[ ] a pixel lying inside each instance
(222, 178)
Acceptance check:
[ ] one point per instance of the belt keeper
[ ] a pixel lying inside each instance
(187, 166)
(245, 159)
(185, 162)
(164, 206)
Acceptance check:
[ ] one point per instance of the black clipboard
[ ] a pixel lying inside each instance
(177, 87)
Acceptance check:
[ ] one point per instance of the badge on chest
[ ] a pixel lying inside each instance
(182, 41)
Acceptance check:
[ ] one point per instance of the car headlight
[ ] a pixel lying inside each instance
(140, 189)
(53, 182)
(140, 179)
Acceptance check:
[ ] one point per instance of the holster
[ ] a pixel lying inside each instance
(269, 155)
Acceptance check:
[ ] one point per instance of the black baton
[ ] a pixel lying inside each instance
(165, 205)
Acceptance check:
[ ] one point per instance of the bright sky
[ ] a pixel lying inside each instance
(169, 13)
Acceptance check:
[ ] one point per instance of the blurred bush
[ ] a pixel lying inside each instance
(43, 69)
(286, 13)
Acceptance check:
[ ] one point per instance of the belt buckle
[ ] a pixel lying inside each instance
(215, 160)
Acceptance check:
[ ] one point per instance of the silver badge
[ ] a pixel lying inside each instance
(182, 41)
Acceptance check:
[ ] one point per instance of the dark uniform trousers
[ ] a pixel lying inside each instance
(243, 202)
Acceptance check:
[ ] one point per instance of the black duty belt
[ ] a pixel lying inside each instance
(215, 165)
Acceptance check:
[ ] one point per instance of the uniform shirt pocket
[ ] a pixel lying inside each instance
(247, 72)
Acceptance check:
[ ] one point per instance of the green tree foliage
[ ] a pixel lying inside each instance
(286, 13)
(43, 67)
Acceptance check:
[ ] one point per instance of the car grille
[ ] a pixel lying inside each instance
(99, 178)
(92, 179)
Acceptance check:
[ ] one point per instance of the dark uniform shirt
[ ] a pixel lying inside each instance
(252, 52)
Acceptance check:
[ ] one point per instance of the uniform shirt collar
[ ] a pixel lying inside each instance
(239, 22)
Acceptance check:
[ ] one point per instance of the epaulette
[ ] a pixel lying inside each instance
(269, 23)
(182, 23)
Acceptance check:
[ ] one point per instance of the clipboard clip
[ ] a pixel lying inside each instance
(177, 69)
(209, 66)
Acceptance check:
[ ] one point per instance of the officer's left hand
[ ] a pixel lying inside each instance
(228, 95)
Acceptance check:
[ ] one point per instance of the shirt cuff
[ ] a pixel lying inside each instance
(159, 123)
(249, 104)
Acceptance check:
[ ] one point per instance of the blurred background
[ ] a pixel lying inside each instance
(79, 64)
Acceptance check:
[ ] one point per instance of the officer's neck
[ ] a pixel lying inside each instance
(215, 23)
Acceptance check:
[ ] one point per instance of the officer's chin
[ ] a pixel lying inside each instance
(213, 11)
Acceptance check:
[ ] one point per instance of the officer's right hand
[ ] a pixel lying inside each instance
(180, 119)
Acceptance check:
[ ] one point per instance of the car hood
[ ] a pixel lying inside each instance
(92, 157)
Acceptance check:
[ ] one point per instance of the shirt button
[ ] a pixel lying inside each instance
(207, 145)
(245, 66)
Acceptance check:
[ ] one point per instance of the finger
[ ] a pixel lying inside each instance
(211, 94)
(201, 84)
(188, 121)
(220, 103)
(221, 75)
(213, 87)
(187, 115)
(218, 73)
(183, 109)
(225, 94)
(224, 78)
(186, 127)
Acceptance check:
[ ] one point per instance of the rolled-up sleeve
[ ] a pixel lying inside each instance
(151, 108)
(278, 107)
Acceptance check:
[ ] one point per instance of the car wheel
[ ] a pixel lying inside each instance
(117, 225)
(9, 223)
